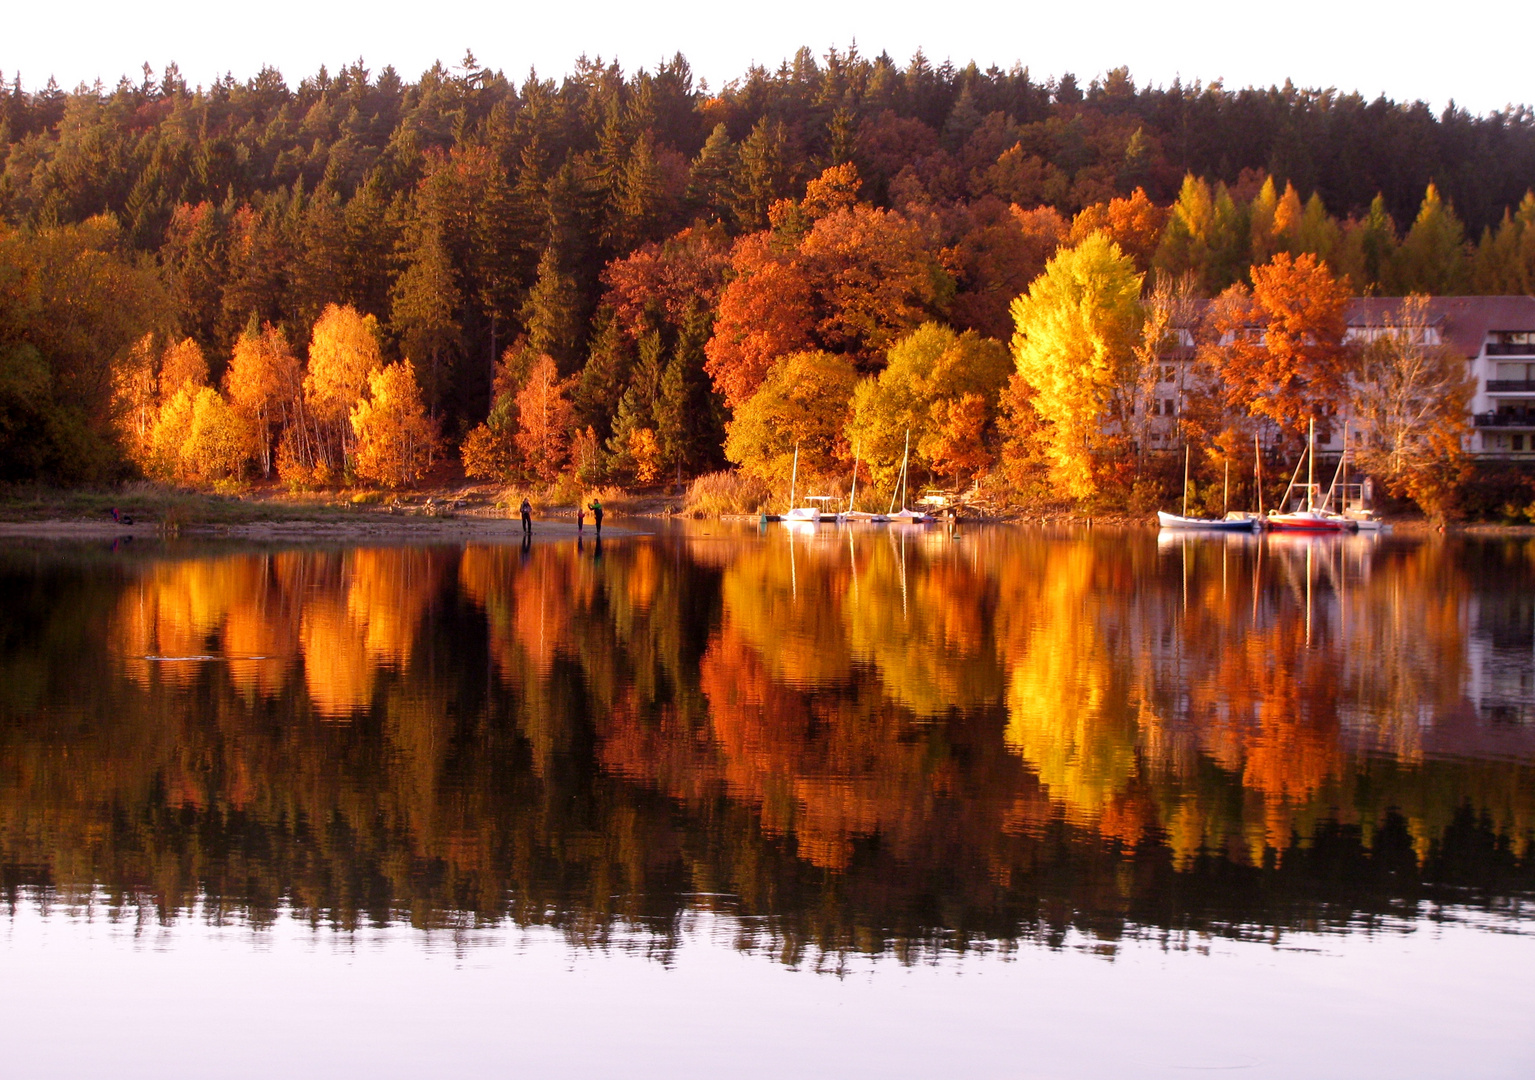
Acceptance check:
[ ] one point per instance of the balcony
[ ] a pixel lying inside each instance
(1511, 386)
(1510, 350)
(1517, 418)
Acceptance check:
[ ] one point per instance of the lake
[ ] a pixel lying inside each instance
(1012, 802)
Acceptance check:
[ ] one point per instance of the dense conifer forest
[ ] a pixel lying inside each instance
(225, 243)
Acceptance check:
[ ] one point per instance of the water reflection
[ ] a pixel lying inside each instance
(883, 739)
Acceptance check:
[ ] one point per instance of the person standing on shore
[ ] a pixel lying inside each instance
(527, 517)
(580, 517)
(596, 509)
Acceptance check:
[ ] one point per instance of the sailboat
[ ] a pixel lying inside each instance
(813, 511)
(1310, 518)
(904, 514)
(1183, 521)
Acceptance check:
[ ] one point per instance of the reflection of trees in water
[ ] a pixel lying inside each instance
(994, 738)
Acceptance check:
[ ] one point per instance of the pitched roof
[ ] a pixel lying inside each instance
(1464, 321)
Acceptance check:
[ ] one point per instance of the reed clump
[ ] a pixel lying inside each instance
(728, 491)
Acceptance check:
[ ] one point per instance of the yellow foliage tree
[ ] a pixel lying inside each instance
(1074, 345)
(805, 401)
(395, 438)
(343, 356)
(199, 438)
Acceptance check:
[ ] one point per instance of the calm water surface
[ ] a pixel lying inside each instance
(881, 802)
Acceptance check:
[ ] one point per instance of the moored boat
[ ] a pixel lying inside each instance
(1314, 521)
(1226, 524)
(1312, 516)
(1232, 522)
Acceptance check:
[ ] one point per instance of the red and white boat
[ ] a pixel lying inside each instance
(1312, 521)
(1312, 518)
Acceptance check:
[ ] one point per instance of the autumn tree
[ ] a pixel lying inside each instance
(996, 250)
(764, 313)
(1134, 223)
(1505, 258)
(343, 355)
(182, 365)
(198, 438)
(264, 386)
(804, 402)
(395, 440)
(1074, 342)
(544, 420)
(942, 387)
(843, 276)
(1409, 401)
(1281, 352)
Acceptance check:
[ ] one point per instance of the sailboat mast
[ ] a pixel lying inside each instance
(1311, 466)
(854, 490)
(1342, 462)
(794, 476)
(901, 477)
(1258, 473)
(906, 471)
(1226, 490)
(1185, 479)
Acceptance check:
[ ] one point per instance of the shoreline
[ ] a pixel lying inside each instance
(373, 527)
(353, 526)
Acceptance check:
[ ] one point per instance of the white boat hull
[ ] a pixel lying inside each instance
(1173, 521)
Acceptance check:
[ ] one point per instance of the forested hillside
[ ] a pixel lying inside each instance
(661, 242)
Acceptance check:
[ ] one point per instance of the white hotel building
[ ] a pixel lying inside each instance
(1495, 334)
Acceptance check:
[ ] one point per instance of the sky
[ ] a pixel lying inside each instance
(1408, 50)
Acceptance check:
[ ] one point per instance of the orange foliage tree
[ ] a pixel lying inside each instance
(1281, 353)
(832, 273)
(263, 384)
(544, 420)
(1135, 224)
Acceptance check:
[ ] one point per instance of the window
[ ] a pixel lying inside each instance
(1518, 441)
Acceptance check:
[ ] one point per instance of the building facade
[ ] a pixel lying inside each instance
(1495, 335)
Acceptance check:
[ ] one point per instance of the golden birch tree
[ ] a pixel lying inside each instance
(395, 439)
(1074, 346)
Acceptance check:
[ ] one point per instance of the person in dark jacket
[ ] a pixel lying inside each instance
(596, 509)
(527, 517)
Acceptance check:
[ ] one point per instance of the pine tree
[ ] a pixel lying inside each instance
(424, 312)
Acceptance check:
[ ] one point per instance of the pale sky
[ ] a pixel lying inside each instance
(1408, 50)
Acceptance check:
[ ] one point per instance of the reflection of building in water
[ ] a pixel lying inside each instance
(1501, 656)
